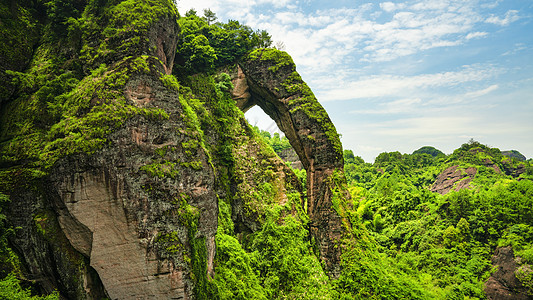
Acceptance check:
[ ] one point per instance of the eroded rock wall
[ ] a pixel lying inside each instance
(117, 179)
(268, 78)
(453, 178)
(503, 284)
(127, 206)
(51, 261)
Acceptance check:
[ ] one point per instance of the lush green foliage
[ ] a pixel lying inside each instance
(276, 141)
(10, 289)
(423, 245)
(447, 240)
(429, 150)
(407, 242)
(205, 44)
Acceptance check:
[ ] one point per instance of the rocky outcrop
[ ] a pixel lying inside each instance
(138, 207)
(487, 162)
(51, 261)
(503, 284)
(125, 207)
(453, 179)
(290, 156)
(129, 210)
(268, 78)
(116, 177)
(514, 170)
(514, 154)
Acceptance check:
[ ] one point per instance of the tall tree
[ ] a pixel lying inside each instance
(209, 16)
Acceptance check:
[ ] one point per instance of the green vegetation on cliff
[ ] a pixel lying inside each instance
(436, 246)
(448, 240)
(205, 45)
(400, 240)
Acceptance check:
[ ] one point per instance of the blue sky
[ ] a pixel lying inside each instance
(399, 75)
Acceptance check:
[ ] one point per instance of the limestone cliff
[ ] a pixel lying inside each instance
(121, 178)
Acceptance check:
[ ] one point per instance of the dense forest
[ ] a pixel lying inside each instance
(414, 233)
(444, 241)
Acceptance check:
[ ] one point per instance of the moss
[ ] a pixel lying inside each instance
(162, 152)
(170, 242)
(40, 222)
(191, 147)
(340, 201)
(279, 58)
(307, 103)
(121, 27)
(302, 98)
(46, 224)
(166, 169)
(196, 165)
(88, 113)
(189, 216)
(170, 82)
(19, 32)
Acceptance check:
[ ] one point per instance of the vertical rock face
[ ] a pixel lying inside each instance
(137, 209)
(51, 261)
(503, 284)
(124, 207)
(273, 84)
(290, 156)
(129, 210)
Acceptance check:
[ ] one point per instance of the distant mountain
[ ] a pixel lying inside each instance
(515, 154)
(429, 150)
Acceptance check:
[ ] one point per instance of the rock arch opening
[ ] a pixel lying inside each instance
(277, 139)
(267, 78)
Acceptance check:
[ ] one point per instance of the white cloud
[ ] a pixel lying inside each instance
(377, 56)
(402, 106)
(395, 85)
(390, 6)
(482, 92)
(477, 34)
(412, 27)
(275, 3)
(433, 5)
(510, 16)
(423, 26)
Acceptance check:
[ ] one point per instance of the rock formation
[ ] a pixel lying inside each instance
(512, 169)
(268, 78)
(290, 156)
(129, 211)
(503, 284)
(514, 154)
(117, 183)
(453, 179)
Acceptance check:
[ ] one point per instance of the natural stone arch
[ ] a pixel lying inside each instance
(268, 78)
